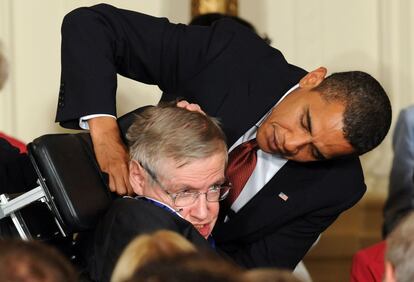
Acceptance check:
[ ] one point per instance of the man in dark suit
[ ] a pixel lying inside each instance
(304, 123)
(177, 167)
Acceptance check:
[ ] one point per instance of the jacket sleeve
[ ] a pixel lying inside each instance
(101, 41)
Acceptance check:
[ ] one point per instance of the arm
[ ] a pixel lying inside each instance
(106, 138)
(101, 41)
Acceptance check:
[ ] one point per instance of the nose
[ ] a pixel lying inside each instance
(294, 142)
(200, 208)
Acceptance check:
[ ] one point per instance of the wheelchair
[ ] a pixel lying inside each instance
(71, 187)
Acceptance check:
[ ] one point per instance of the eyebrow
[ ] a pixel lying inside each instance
(319, 156)
(221, 181)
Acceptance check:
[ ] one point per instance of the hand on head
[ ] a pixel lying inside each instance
(190, 106)
(112, 154)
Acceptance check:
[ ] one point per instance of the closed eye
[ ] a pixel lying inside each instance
(303, 122)
(317, 155)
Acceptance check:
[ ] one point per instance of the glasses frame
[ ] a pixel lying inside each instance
(195, 195)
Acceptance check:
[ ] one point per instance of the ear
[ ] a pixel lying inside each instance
(389, 273)
(137, 177)
(313, 79)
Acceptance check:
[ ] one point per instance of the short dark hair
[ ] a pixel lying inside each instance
(367, 116)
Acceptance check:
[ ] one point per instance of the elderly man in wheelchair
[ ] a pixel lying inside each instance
(177, 168)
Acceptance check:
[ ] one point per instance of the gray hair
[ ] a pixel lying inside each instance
(168, 132)
(400, 249)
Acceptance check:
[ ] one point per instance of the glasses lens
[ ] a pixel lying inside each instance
(184, 199)
(213, 195)
(218, 194)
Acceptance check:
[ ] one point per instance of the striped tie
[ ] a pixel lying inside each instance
(242, 161)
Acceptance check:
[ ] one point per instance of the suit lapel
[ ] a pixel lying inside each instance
(269, 208)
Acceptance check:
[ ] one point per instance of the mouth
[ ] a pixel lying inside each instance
(273, 141)
(203, 229)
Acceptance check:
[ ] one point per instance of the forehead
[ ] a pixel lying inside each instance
(198, 174)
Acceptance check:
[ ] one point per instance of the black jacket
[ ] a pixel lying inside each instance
(234, 75)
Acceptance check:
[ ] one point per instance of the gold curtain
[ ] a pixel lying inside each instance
(199, 7)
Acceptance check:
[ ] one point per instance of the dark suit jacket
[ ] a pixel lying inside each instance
(126, 219)
(234, 75)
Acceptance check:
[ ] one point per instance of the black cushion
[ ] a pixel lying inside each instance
(69, 171)
(67, 167)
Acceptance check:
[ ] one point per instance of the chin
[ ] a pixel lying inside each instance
(262, 145)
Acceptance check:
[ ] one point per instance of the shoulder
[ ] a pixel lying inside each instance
(136, 210)
(338, 183)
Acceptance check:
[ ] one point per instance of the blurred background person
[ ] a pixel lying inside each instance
(400, 200)
(196, 266)
(399, 256)
(270, 275)
(32, 261)
(149, 247)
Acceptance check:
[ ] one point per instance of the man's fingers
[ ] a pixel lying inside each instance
(126, 184)
(120, 186)
(182, 104)
(111, 184)
(190, 106)
(195, 108)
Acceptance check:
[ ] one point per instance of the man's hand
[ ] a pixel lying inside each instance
(111, 153)
(190, 106)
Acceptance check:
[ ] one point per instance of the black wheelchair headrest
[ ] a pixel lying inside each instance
(69, 173)
(67, 168)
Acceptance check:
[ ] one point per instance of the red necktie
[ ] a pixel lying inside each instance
(242, 161)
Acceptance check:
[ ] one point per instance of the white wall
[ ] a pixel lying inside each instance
(371, 35)
(30, 32)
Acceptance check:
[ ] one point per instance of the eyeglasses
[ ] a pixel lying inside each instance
(185, 198)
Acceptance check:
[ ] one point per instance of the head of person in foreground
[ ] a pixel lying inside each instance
(178, 157)
(149, 247)
(32, 261)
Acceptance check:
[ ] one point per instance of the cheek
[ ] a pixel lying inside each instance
(185, 213)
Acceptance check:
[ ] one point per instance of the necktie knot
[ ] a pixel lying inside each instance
(251, 144)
